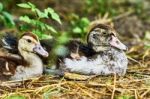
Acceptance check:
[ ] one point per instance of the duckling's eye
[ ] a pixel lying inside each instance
(28, 40)
(104, 33)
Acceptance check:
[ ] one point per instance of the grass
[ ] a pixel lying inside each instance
(134, 85)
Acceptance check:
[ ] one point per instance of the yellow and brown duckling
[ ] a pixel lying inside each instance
(27, 63)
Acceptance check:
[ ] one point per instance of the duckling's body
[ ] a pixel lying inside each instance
(26, 63)
(33, 68)
(104, 63)
(104, 56)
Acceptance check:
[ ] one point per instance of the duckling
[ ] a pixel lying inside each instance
(104, 54)
(10, 43)
(27, 63)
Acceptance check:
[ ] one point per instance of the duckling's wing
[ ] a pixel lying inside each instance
(17, 59)
(5, 54)
(8, 65)
(87, 50)
(77, 49)
(82, 48)
(10, 42)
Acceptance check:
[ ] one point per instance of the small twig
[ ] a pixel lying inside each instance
(114, 87)
(122, 15)
(90, 89)
(137, 80)
(87, 93)
(144, 74)
(98, 85)
(74, 76)
(142, 96)
(47, 86)
(135, 94)
(132, 59)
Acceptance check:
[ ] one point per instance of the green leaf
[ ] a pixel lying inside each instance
(49, 10)
(27, 5)
(1, 6)
(38, 33)
(42, 25)
(63, 38)
(24, 5)
(25, 19)
(15, 97)
(41, 35)
(77, 30)
(54, 15)
(39, 24)
(51, 28)
(24, 27)
(46, 36)
(32, 6)
(41, 14)
(84, 21)
(8, 18)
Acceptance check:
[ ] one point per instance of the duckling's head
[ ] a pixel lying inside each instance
(29, 42)
(102, 37)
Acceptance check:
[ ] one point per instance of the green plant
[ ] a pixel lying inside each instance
(79, 26)
(6, 17)
(37, 23)
(125, 97)
(146, 39)
(100, 6)
(15, 96)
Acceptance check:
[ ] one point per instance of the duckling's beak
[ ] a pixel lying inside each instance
(40, 50)
(115, 42)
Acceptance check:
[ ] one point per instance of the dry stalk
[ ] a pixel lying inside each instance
(114, 86)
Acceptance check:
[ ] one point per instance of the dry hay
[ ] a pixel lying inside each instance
(134, 85)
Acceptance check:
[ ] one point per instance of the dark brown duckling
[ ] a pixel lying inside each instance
(105, 54)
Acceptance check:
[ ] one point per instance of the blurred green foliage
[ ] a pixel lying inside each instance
(16, 96)
(101, 6)
(147, 39)
(39, 26)
(6, 17)
(79, 26)
(125, 97)
(40, 20)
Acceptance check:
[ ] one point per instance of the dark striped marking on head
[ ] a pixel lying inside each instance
(101, 26)
(31, 35)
